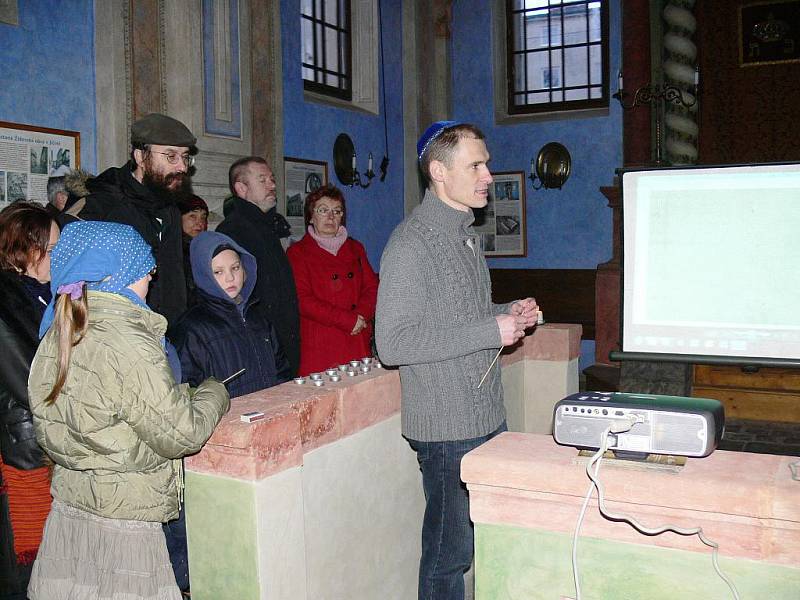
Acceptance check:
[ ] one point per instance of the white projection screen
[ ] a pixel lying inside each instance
(711, 264)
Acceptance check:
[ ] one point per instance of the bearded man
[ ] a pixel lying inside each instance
(145, 194)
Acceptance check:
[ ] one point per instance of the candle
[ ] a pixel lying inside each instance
(369, 163)
(696, 76)
(533, 166)
(354, 161)
(619, 81)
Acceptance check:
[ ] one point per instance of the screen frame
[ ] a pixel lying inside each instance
(702, 359)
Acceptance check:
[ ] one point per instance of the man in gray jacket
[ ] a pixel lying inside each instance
(436, 320)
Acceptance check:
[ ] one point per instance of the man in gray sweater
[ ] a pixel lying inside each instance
(436, 320)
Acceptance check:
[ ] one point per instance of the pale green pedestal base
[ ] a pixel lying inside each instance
(514, 563)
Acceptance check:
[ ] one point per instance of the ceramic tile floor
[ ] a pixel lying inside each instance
(764, 437)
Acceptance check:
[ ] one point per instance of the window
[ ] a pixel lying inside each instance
(557, 55)
(325, 47)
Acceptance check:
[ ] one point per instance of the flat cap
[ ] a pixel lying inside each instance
(160, 129)
(431, 133)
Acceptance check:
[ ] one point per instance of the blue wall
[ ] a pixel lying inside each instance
(310, 128)
(566, 229)
(47, 70)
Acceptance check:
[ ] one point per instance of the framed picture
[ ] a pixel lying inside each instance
(769, 32)
(29, 155)
(501, 223)
(301, 177)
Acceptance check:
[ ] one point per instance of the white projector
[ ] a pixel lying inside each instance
(668, 424)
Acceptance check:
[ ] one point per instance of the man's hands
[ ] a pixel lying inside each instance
(522, 315)
(360, 324)
(526, 308)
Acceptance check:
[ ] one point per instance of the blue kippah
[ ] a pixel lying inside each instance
(431, 133)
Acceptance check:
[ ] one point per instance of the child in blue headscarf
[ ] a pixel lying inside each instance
(108, 412)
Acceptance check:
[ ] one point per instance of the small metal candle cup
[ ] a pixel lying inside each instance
(355, 363)
(315, 377)
(335, 378)
(343, 368)
(367, 360)
(319, 382)
(331, 372)
(351, 373)
(299, 380)
(365, 369)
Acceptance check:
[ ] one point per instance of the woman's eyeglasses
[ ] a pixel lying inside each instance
(324, 210)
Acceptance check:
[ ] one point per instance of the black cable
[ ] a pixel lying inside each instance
(384, 166)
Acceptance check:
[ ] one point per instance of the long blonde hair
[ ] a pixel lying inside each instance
(70, 320)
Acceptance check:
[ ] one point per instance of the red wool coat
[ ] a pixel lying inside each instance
(332, 291)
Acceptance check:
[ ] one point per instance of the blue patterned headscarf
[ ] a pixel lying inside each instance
(108, 257)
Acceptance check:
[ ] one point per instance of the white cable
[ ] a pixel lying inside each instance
(621, 426)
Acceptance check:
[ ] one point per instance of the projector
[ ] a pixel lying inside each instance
(669, 424)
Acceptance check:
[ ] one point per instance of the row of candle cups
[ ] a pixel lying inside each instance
(355, 367)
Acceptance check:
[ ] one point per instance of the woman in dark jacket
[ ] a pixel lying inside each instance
(220, 335)
(27, 236)
(194, 220)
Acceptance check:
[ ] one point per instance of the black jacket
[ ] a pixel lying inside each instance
(116, 196)
(214, 339)
(217, 337)
(19, 338)
(253, 230)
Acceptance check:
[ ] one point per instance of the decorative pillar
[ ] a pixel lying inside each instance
(267, 85)
(680, 61)
(146, 57)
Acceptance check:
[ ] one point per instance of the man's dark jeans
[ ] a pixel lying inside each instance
(447, 532)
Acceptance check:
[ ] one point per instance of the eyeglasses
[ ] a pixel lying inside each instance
(173, 158)
(324, 210)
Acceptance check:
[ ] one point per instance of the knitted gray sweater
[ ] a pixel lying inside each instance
(435, 319)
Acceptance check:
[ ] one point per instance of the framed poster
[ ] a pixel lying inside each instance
(300, 177)
(769, 32)
(29, 155)
(501, 223)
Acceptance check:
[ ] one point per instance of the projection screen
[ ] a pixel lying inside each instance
(711, 264)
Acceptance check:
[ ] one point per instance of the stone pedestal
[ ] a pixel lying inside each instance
(323, 497)
(539, 374)
(525, 497)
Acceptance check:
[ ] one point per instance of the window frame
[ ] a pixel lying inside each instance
(346, 31)
(564, 107)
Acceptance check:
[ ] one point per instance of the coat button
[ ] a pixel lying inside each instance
(335, 276)
(350, 275)
(352, 307)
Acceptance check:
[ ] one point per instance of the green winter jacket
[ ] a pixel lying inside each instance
(120, 421)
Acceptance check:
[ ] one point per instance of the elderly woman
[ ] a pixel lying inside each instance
(336, 286)
(27, 236)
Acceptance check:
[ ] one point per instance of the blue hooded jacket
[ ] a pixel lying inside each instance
(218, 336)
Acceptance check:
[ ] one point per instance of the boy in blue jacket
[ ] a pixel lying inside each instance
(220, 335)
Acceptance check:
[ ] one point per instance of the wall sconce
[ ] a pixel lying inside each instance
(658, 95)
(344, 163)
(551, 167)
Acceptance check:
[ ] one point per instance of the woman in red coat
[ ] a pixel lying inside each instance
(336, 286)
